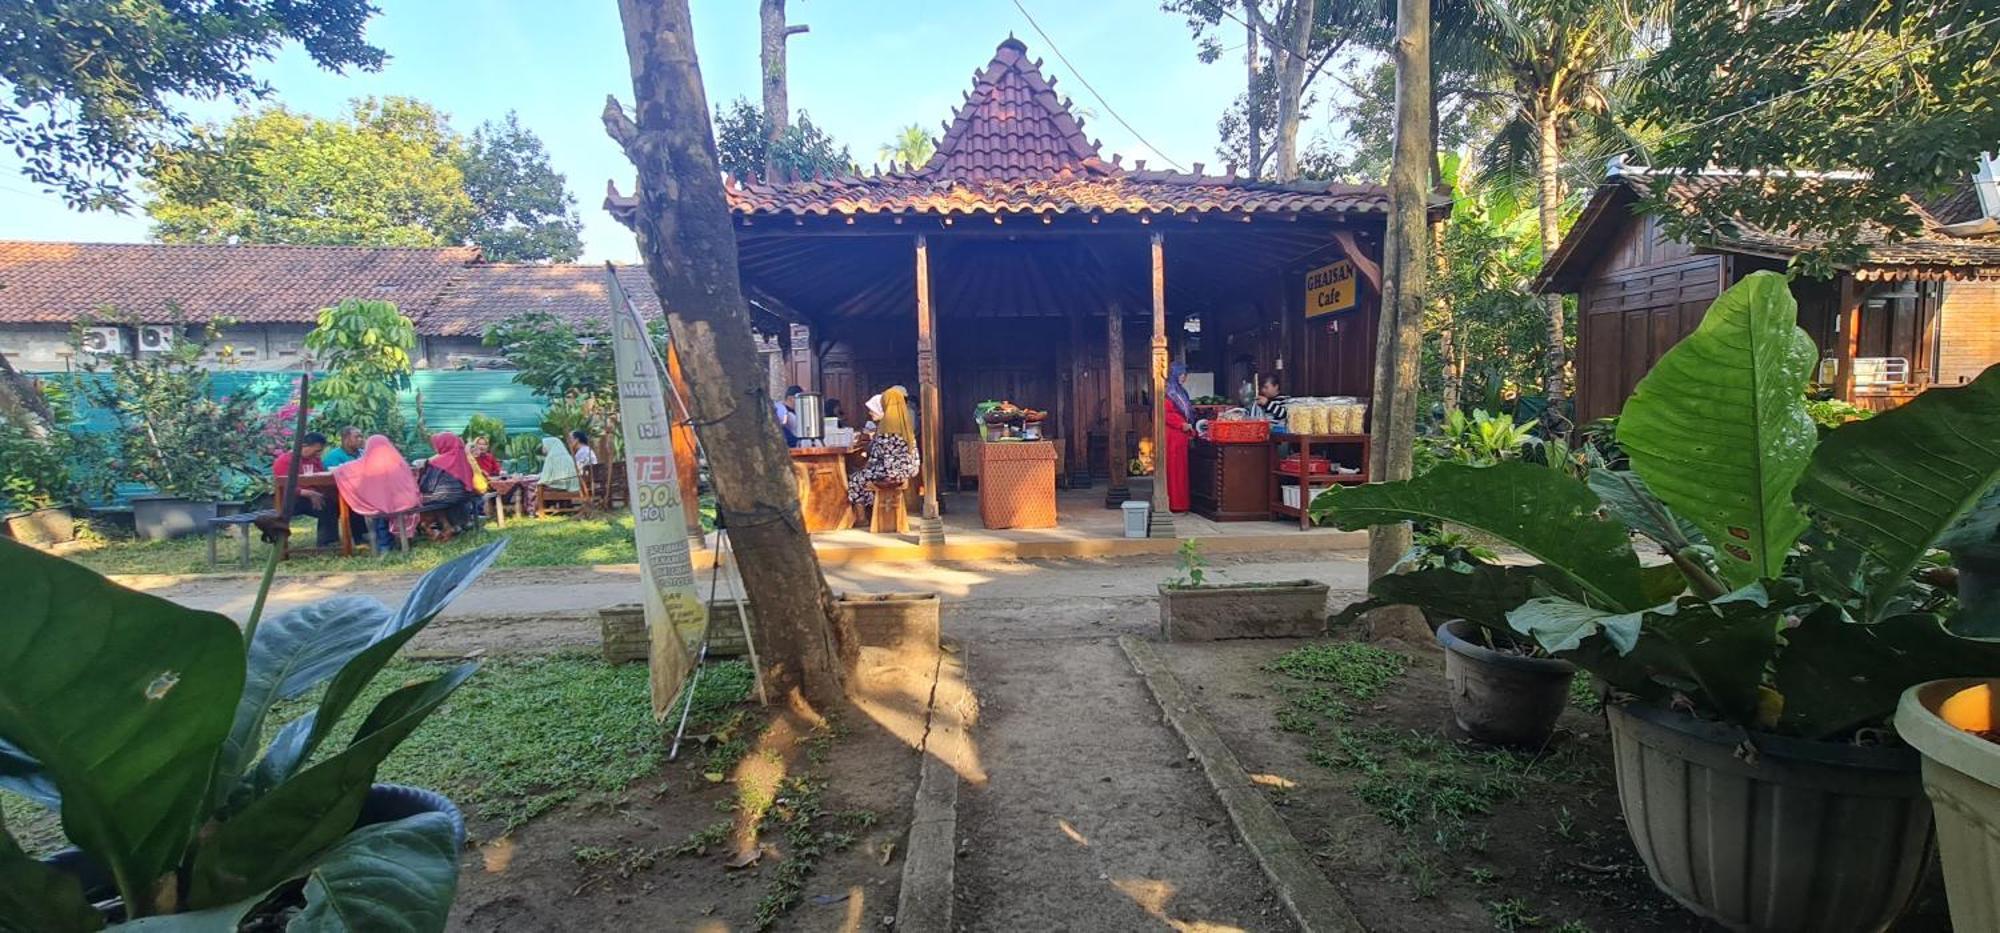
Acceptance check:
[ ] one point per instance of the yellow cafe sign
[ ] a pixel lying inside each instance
(1330, 288)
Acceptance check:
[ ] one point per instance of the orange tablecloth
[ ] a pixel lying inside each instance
(1017, 484)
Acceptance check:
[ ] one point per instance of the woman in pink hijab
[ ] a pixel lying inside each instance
(376, 484)
(450, 484)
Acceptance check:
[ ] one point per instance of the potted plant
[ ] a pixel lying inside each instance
(172, 433)
(139, 721)
(1955, 725)
(1755, 670)
(1193, 609)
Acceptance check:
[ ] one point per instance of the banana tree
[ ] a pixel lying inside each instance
(1797, 591)
(138, 721)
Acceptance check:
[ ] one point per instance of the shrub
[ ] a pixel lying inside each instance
(493, 429)
(172, 433)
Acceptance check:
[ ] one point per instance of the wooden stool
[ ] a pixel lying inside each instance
(889, 515)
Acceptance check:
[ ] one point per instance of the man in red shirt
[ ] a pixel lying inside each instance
(309, 501)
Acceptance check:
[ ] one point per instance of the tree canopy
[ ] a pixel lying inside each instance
(803, 149)
(392, 172)
(89, 88)
(1905, 92)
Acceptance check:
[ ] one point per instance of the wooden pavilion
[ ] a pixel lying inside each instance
(1018, 263)
(1912, 314)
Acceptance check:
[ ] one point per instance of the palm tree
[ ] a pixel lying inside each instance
(1560, 67)
(911, 147)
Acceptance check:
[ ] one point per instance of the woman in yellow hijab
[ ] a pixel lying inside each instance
(892, 455)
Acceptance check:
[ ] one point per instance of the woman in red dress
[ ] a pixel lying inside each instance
(1180, 428)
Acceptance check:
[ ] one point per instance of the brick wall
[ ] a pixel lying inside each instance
(1969, 331)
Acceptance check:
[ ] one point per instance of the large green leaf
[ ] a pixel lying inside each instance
(35, 898)
(390, 876)
(1628, 499)
(291, 654)
(1538, 510)
(124, 699)
(282, 831)
(1482, 596)
(1560, 625)
(1838, 675)
(1894, 485)
(1719, 429)
(22, 774)
(428, 598)
(1974, 544)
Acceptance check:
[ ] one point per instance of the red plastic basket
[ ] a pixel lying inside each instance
(1317, 465)
(1239, 432)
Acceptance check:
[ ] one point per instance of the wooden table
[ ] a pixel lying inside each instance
(324, 482)
(821, 473)
(1345, 449)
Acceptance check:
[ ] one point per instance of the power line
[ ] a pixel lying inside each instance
(1078, 75)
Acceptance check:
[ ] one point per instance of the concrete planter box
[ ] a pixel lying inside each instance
(1962, 777)
(623, 632)
(164, 518)
(1294, 609)
(1813, 837)
(893, 631)
(42, 527)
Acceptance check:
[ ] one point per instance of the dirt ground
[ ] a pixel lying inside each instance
(611, 865)
(1559, 847)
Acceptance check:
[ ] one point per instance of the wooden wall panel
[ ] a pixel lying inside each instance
(1629, 316)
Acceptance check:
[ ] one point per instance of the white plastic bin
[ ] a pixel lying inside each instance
(1137, 512)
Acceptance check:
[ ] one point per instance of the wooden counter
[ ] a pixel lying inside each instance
(1229, 482)
(822, 476)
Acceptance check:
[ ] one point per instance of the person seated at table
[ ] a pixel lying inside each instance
(482, 457)
(345, 452)
(581, 452)
(558, 468)
(324, 510)
(451, 485)
(378, 484)
(892, 452)
(1270, 399)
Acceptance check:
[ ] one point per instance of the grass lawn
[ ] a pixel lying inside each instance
(536, 542)
(521, 737)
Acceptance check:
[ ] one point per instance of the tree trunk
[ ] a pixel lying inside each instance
(1253, 115)
(1441, 268)
(1291, 86)
(1548, 195)
(771, 59)
(690, 253)
(1399, 340)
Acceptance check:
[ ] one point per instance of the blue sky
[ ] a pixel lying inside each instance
(866, 68)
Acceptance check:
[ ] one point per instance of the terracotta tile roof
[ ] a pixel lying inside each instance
(1932, 254)
(1013, 126)
(482, 295)
(58, 283)
(1014, 147)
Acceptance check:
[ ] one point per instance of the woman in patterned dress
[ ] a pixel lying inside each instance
(892, 454)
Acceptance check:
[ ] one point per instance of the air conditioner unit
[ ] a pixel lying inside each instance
(103, 340)
(156, 338)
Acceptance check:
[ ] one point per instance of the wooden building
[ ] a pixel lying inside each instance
(1018, 263)
(1920, 312)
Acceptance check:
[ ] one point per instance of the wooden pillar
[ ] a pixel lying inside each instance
(930, 528)
(1076, 437)
(1114, 404)
(1162, 523)
(1847, 343)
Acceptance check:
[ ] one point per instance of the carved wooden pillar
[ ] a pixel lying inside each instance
(930, 528)
(1162, 523)
(1114, 404)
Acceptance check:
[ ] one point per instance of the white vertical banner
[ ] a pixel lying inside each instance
(675, 613)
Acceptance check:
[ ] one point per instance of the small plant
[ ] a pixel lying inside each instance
(1512, 914)
(701, 841)
(493, 429)
(1190, 564)
(1831, 413)
(1481, 439)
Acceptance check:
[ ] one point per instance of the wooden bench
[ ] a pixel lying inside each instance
(241, 523)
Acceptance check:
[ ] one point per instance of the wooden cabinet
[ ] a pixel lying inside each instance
(1226, 482)
(1296, 478)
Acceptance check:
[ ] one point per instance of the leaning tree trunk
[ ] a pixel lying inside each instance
(690, 253)
(1548, 195)
(1399, 340)
(1291, 87)
(771, 58)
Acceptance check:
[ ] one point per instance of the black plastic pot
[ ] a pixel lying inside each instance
(385, 803)
(1801, 837)
(1502, 699)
